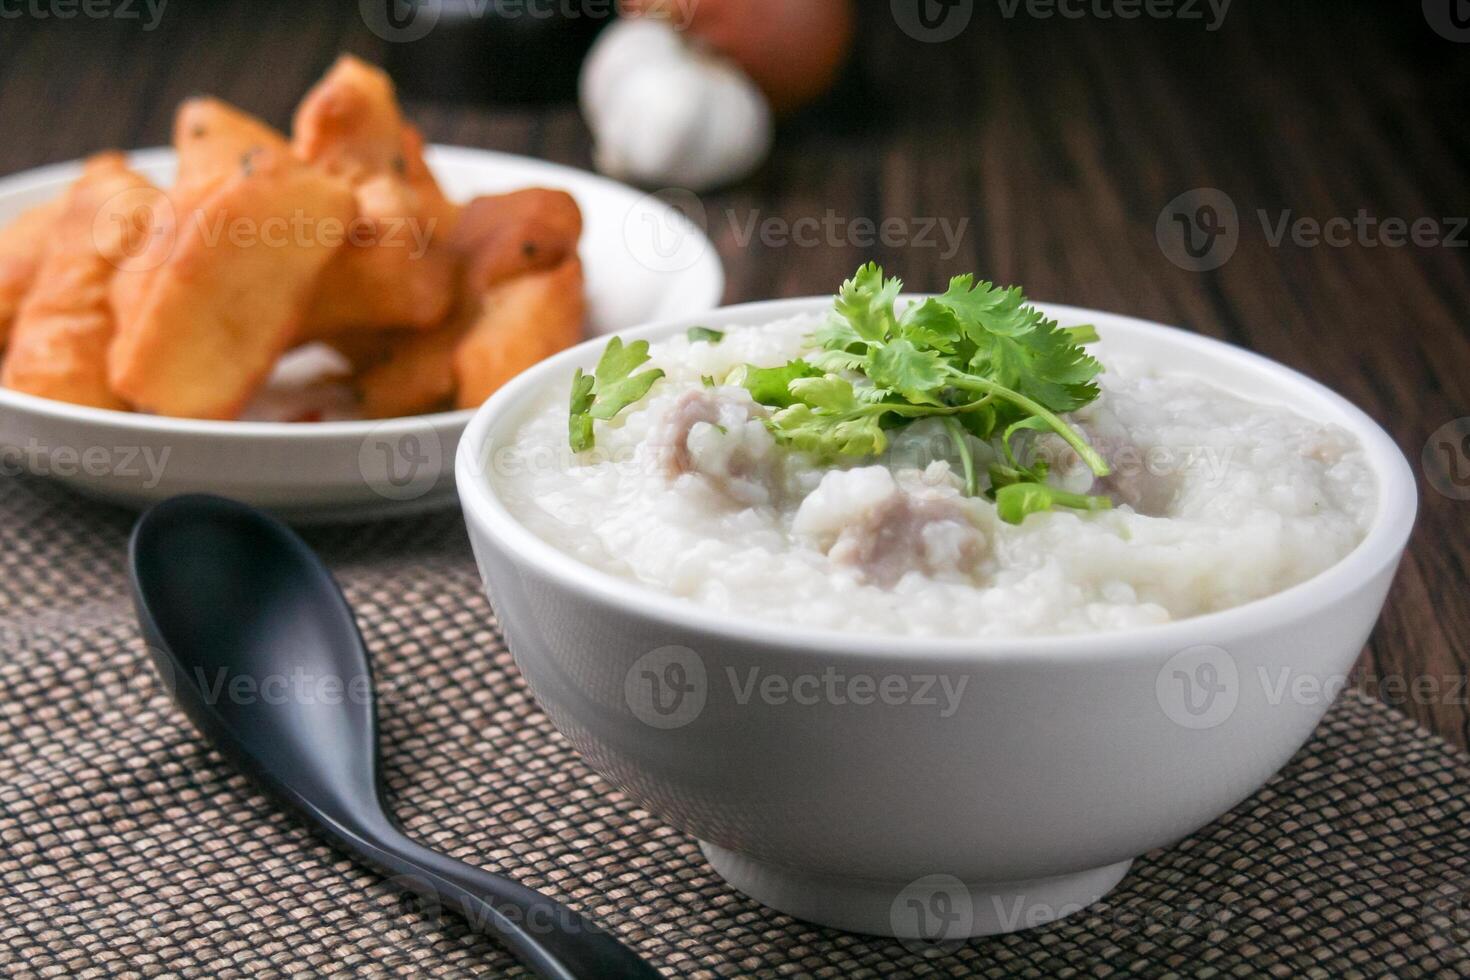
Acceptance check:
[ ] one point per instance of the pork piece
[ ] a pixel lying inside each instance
(717, 434)
(1146, 478)
(885, 526)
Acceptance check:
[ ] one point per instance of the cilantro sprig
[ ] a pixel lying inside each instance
(610, 388)
(978, 356)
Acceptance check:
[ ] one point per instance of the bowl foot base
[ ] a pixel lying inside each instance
(933, 909)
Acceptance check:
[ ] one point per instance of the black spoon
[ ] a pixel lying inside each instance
(258, 646)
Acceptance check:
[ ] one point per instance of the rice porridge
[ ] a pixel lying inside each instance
(1213, 501)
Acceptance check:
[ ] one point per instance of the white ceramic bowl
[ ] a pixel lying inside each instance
(643, 261)
(1064, 759)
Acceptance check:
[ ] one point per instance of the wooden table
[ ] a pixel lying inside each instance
(1058, 142)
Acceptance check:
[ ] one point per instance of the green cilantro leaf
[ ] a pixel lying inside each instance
(612, 387)
(580, 425)
(706, 334)
(1017, 346)
(917, 375)
(617, 385)
(829, 419)
(866, 303)
(772, 386)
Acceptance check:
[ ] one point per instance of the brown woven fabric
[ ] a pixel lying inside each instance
(127, 847)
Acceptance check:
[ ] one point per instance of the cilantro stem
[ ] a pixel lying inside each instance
(1081, 501)
(967, 458)
(970, 382)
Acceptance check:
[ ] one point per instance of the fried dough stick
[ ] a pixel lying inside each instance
(22, 246)
(230, 297)
(489, 341)
(499, 237)
(408, 372)
(213, 140)
(521, 322)
(505, 235)
(398, 275)
(59, 341)
(349, 124)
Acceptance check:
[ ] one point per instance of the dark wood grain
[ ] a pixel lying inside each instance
(1057, 141)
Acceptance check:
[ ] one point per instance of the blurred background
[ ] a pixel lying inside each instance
(1291, 177)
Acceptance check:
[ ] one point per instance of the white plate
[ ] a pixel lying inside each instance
(644, 262)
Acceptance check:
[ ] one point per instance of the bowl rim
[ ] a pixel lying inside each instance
(1382, 546)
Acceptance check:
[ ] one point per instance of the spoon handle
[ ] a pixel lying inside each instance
(555, 941)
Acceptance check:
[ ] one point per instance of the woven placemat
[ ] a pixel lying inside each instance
(129, 848)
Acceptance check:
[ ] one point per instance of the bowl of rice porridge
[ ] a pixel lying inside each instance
(926, 615)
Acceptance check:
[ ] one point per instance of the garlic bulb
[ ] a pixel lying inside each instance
(663, 114)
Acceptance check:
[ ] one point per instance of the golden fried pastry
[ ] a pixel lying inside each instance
(182, 302)
(488, 342)
(231, 296)
(349, 124)
(433, 206)
(59, 342)
(410, 371)
(22, 245)
(393, 273)
(505, 235)
(213, 139)
(521, 322)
